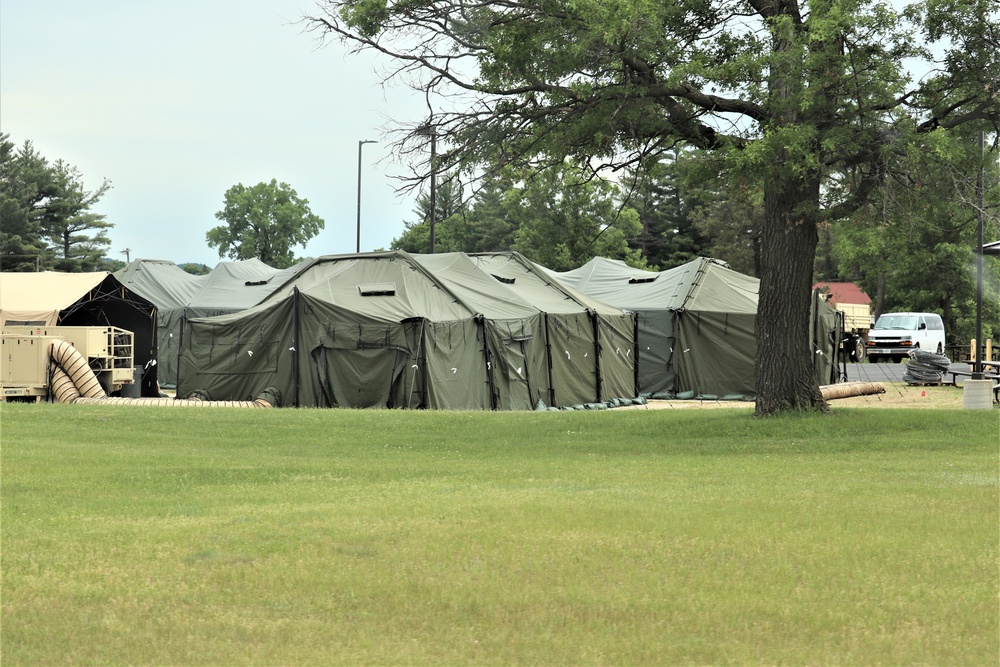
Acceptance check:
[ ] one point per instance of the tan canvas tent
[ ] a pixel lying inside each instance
(36, 299)
(83, 300)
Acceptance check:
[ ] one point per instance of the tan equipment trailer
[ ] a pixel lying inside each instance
(24, 358)
(857, 322)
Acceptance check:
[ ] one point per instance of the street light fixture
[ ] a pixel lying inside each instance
(360, 144)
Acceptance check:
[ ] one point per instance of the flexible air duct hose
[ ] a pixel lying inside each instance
(76, 367)
(173, 402)
(62, 386)
(73, 381)
(848, 389)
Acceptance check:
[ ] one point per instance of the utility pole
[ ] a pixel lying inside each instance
(428, 130)
(433, 185)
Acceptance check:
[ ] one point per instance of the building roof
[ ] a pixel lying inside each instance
(844, 293)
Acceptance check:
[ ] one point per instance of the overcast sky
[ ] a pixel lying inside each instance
(175, 102)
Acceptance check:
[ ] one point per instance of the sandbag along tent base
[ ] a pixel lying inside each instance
(390, 330)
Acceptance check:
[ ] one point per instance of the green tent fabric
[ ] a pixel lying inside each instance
(592, 344)
(382, 330)
(171, 289)
(228, 288)
(826, 338)
(696, 332)
(241, 354)
(515, 329)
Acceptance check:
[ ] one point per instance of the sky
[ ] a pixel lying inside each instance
(176, 102)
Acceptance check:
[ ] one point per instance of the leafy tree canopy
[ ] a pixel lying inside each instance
(195, 268)
(666, 204)
(808, 98)
(449, 222)
(913, 246)
(265, 221)
(559, 217)
(566, 218)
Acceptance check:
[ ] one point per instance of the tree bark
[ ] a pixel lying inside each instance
(785, 378)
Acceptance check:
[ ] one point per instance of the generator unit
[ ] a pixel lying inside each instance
(24, 357)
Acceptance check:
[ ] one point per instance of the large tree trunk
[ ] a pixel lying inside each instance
(785, 377)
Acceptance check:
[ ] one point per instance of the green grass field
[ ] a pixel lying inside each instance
(282, 537)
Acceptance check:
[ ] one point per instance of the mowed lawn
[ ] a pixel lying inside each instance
(282, 537)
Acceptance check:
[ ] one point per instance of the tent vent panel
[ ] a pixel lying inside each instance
(377, 289)
(255, 283)
(640, 280)
(506, 281)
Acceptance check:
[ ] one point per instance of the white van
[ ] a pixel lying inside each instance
(895, 334)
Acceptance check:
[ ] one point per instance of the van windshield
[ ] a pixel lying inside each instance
(908, 322)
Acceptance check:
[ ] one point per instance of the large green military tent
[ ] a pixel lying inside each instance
(228, 288)
(696, 334)
(368, 330)
(380, 330)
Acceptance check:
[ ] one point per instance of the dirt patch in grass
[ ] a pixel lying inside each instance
(897, 395)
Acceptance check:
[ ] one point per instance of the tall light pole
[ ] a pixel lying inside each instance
(978, 367)
(360, 144)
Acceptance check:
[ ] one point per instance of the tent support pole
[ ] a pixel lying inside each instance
(597, 354)
(422, 361)
(548, 358)
(295, 343)
(180, 349)
(635, 353)
(494, 397)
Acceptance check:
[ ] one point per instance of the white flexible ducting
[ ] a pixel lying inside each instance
(76, 368)
(173, 402)
(62, 387)
(848, 389)
(73, 381)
